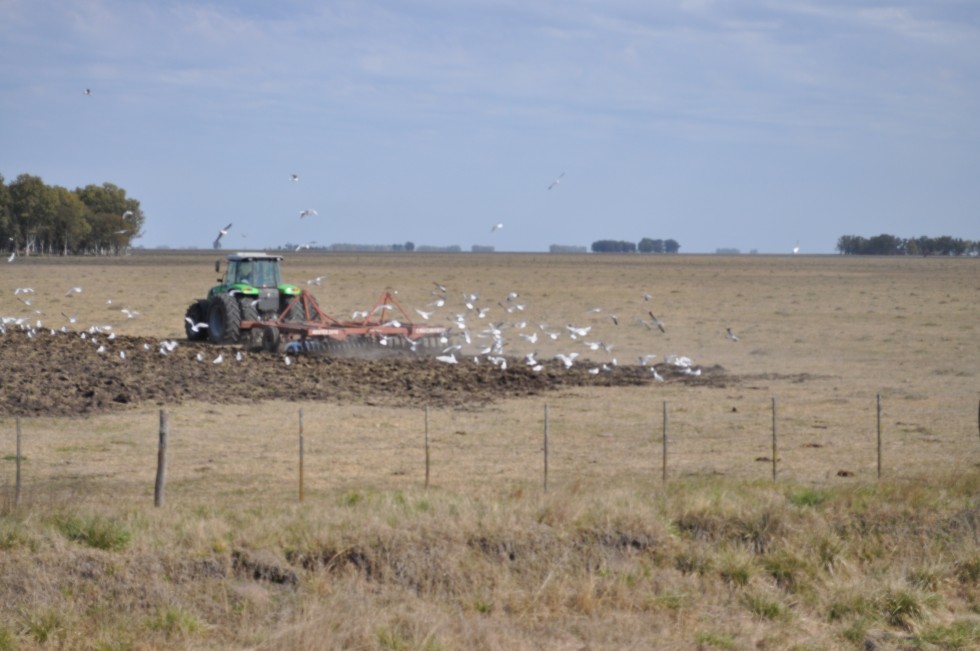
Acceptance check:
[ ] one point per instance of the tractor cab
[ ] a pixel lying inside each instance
(253, 271)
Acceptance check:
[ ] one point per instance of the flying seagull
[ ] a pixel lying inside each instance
(294, 177)
(556, 181)
(221, 233)
(307, 213)
(87, 91)
(730, 335)
(496, 227)
(657, 322)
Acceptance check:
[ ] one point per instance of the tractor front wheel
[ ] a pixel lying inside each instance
(224, 319)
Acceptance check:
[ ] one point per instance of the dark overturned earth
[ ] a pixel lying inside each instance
(65, 374)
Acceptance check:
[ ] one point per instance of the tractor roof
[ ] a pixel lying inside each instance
(238, 257)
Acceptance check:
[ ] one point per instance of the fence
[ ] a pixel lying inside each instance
(444, 451)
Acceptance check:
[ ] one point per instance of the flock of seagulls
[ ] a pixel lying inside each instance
(475, 337)
(496, 331)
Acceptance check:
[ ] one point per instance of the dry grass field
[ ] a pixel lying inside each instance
(611, 556)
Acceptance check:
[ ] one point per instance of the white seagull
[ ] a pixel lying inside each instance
(567, 360)
(657, 322)
(221, 233)
(195, 326)
(496, 227)
(12, 256)
(730, 335)
(556, 181)
(294, 177)
(74, 290)
(307, 213)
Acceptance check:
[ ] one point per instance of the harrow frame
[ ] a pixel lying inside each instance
(320, 332)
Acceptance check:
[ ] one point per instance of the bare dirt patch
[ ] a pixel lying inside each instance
(78, 374)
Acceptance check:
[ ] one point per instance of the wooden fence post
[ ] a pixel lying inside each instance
(17, 483)
(546, 447)
(775, 449)
(427, 458)
(878, 398)
(161, 459)
(664, 468)
(300, 455)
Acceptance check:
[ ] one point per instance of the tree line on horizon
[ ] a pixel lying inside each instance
(36, 218)
(885, 244)
(646, 245)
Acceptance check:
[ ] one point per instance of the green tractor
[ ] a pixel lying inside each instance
(251, 291)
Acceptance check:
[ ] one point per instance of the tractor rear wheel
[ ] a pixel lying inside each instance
(196, 321)
(248, 310)
(224, 319)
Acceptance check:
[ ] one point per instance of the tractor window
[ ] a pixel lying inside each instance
(265, 273)
(257, 273)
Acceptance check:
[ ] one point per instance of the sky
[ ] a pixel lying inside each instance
(754, 125)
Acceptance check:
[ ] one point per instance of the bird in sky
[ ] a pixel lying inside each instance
(87, 91)
(307, 213)
(294, 177)
(496, 227)
(221, 233)
(796, 249)
(556, 181)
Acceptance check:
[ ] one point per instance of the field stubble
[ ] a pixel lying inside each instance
(821, 335)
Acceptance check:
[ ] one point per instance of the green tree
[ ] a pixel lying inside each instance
(116, 219)
(648, 245)
(671, 246)
(7, 240)
(69, 225)
(32, 208)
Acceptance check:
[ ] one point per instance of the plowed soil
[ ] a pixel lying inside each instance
(80, 374)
